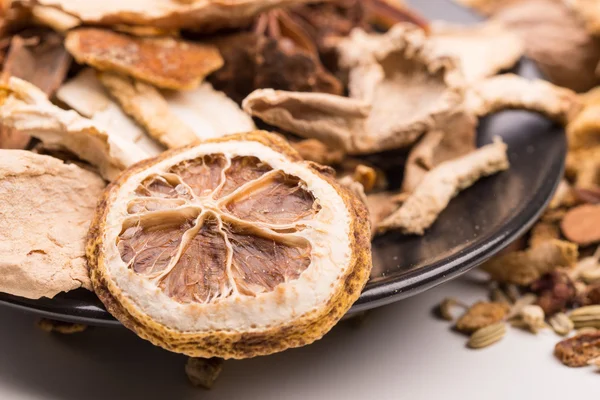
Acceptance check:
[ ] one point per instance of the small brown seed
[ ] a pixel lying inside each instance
(446, 306)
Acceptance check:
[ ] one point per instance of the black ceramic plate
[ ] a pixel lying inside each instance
(478, 223)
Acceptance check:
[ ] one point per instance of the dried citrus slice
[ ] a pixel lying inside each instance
(232, 248)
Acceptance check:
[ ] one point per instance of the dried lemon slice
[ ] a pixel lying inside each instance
(232, 248)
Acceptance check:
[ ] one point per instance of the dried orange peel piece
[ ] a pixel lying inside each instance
(165, 62)
(233, 248)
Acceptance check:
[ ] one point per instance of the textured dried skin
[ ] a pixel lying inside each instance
(483, 50)
(199, 259)
(511, 91)
(556, 40)
(440, 185)
(576, 351)
(317, 151)
(178, 118)
(524, 267)
(165, 62)
(204, 15)
(28, 110)
(85, 94)
(480, 315)
(385, 70)
(581, 224)
(453, 139)
(589, 12)
(47, 208)
(40, 59)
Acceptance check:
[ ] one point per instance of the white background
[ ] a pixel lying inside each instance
(399, 351)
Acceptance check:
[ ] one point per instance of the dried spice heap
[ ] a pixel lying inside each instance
(551, 277)
(217, 240)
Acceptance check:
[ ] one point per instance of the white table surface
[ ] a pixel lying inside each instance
(400, 351)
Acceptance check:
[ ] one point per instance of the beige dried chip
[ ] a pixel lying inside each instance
(511, 91)
(483, 50)
(199, 15)
(480, 315)
(165, 62)
(178, 118)
(440, 185)
(398, 91)
(232, 248)
(86, 95)
(589, 11)
(47, 209)
(524, 267)
(25, 108)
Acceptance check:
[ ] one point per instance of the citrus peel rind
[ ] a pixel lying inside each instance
(266, 258)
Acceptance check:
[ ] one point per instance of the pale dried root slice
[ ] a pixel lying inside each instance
(524, 267)
(25, 108)
(178, 118)
(50, 206)
(483, 50)
(440, 185)
(205, 15)
(84, 93)
(233, 248)
(165, 62)
(511, 91)
(396, 68)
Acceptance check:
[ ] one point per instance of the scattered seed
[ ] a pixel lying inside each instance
(480, 315)
(588, 316)
(561, 324)
(582, 331)
(487, 336)
(499, 296)
(525, 300)
(533, 317)
(445, 308)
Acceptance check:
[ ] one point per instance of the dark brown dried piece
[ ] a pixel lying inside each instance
(582, 224)
(589, 195)
(590, 296)
(555, 292)
(65, 328)
(39, 57)
(578, 350)
(203, 372)
(480, 315)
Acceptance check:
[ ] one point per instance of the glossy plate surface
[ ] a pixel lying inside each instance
(478, 223)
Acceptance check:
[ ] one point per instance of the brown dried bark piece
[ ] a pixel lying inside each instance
(65, 328)
(440, 185)
(555, 292)
(205, 16)
(317, 151)
(385, 70)
(584, 130)
(576, 351)
(166, 62)
(582, 224)
(583, 166)
(48, 206)
(483, 50)
(25, 108)
(203, 372)
(480, 315)
(524, 267)
(543, 231)
(556, 39)
(511, 91)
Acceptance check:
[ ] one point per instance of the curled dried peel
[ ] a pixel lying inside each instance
(233, 248)
(483, 50)
(510, 91)
(28, 110)
(165, 62)
(440, 185)
(398, 91)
